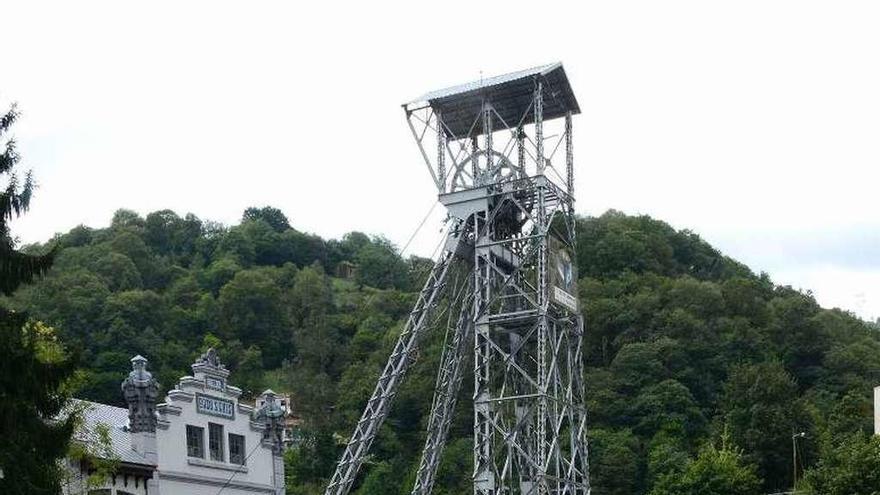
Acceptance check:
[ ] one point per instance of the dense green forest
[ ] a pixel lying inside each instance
(699, 370)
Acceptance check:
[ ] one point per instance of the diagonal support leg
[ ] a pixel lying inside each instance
(398, 364)
(449, 378)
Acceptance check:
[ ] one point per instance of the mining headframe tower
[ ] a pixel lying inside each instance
(500, 153)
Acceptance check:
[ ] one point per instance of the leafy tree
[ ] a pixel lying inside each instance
(249, 372)
(218, 273)
(852, 413)
(715, 471)
(851, 366)
(616, 243)
(127, 219)
(159, 229)
(236, 245)
(119, 272)
(315, 394)
(317, 338)
(101, 381)
(130, 243)
(99, 455)
(762, 409)
(35, 371)
(799, 336)
(139, 308)
(614, 462)
(667, 405)
(303, 249)
(381, 479)
(380, 266)
(454, 472)
(251, 310)
(78, 236)
(169, 235)
(351, 244)
(850, 468)
(72, 300)
(310, 462)
(667, 454)
(272, 216)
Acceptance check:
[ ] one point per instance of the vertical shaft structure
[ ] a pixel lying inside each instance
(519, 318)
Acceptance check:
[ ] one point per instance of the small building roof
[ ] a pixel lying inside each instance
(116, 420)
(510, 95)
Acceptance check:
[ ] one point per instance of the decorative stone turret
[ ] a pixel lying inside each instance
(141, 390)
(209, 370)
(272, 416)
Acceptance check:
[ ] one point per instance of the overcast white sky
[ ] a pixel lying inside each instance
(753, 123)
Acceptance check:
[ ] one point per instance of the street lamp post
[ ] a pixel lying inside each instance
(794, 459)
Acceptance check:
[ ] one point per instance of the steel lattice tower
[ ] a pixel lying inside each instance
(500, 153)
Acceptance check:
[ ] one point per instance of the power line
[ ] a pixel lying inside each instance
(238, 470)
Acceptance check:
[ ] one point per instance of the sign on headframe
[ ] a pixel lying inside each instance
(563, 276)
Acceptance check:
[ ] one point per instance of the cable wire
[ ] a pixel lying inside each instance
(422, 224)
(238, 471)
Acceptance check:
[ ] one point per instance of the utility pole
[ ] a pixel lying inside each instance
(794, 459)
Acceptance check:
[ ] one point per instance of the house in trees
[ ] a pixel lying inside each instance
(346, 270)
(200, 440)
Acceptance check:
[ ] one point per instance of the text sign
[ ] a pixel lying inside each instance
(565, 299)
(563, 276)
(215, 383)
(214, 406)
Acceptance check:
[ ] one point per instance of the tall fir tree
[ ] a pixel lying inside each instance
(16, 267)
(34, 368)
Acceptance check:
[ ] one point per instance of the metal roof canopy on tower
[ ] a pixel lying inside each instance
(510, 94)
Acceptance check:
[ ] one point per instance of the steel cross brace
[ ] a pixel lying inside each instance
(446, 392)
(401, 359)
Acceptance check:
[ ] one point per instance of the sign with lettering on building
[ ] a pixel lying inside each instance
(215, 406)
(215, 383)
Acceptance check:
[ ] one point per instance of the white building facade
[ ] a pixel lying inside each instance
(877, 410)
(201, 440)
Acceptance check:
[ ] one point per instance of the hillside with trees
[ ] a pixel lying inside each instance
(699, 371)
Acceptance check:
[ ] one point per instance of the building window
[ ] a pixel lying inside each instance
(215, 441)
(195, 441)
(236, 448)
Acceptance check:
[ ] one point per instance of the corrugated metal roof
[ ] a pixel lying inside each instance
(510, 95)
(116, 420)
(486, 83)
